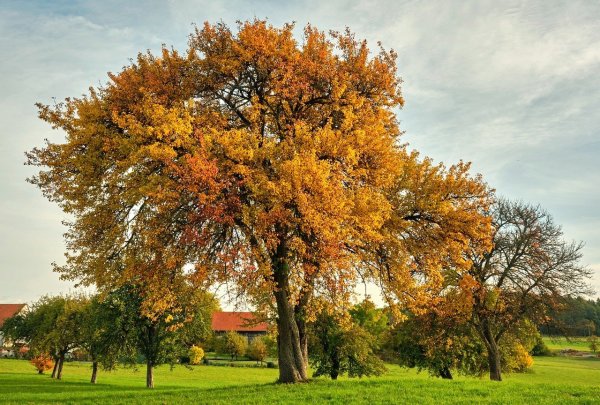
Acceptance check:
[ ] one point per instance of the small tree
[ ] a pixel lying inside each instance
(437, 343)
(107, 333)
(593, 343)
(42, 362)
(198, 330)
(258, 350)
(529, 270)
(270, 340)
(338, 347)
(52, 326)
(372, 319)
(235, 344)
(196, 355)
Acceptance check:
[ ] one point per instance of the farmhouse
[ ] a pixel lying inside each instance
(8, 311)
(244, 323)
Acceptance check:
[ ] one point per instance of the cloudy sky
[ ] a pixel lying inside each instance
(512, 86)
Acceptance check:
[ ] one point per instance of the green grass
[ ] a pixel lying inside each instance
(561, 343)
(553, 380)
(225, 359)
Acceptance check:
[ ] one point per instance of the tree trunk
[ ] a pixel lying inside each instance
(149, 375)
(292, 364)
(335, 366)
(446, 374)
(94, 372)
(55, 369)
(300, 312)
(493, 352)
(41, 371)
(303, 336)
(494, 362)
(61, 362)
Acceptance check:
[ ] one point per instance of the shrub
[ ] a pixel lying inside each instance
(257, 350)
(519, 360)
(196, 355)
(42, 363)
(271, 364)
(540, 348)
(217, 344)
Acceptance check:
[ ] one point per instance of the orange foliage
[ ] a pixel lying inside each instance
(42, 362)
(257, 159)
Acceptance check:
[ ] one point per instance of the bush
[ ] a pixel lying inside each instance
(42, 363)
(540, 348)
(270, 364)
(196, 355)
(257, 350)
(519, 360)
(218, 345)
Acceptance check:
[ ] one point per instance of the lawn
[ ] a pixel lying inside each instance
(557, 343)
(552, 380)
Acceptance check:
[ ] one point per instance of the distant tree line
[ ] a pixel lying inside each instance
(577, 316)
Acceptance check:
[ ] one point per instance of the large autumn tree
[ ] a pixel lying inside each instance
(259, 159)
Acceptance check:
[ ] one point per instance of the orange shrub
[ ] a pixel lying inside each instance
(42, 363)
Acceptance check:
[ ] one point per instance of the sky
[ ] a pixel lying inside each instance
(511, 86)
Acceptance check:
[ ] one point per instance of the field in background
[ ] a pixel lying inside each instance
(552, 380)
(561, 343)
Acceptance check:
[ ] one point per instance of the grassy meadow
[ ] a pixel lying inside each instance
(562, 343)
(553, 380)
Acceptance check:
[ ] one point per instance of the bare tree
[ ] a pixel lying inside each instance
(528, 271)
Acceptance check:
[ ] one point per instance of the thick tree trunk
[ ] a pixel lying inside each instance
(292, 364)
(55, 369)
(335, 366)
(446, 374)
(61, 362)
(94, 372)
(149, 375)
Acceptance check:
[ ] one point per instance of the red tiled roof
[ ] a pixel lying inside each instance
(8, 310)
(237, 321)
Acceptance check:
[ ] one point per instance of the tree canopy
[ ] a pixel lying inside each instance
(272, 163)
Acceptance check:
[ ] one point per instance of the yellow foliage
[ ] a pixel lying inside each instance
(196, 354)
(519, 359)
(261, 160)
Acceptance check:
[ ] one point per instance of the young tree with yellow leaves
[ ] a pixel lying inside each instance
(262, 160)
